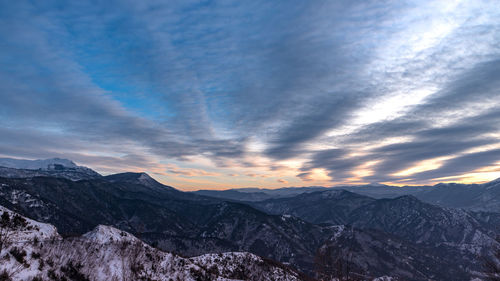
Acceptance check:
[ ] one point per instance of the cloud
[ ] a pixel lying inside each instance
(282, 181)
(305, 176)
(173, 169)
(461, 165)
(337, 162)
(326, 86)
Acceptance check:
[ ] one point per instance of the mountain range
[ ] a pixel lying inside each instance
(31, 250)
(311, 229)
(55, 167)
(476, 197)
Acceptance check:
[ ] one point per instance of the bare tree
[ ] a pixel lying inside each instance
(334, 262)
(9, 224)
(492, 264)
(136, 260)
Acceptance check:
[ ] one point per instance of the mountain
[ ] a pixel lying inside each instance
(356, 254)
(35, 251)
(45, 164)
(405, 216)
(78, 206)
(138, 179)
(107, 253)
(380, 191)
(258, 194)
(414, 220)
(55, 167)
(477, 197)
(235, 195)
(331, 206)
(401, 237)
(173, 220)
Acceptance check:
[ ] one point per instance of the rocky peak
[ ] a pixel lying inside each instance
(106, 234)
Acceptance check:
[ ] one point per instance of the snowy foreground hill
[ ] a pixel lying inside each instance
(31, 250)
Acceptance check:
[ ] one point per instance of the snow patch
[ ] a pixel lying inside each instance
(106, 234)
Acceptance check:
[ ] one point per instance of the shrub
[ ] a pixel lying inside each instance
(18, 254)
(72, 271)
(4, 276)
(52, 274)
(41, 264)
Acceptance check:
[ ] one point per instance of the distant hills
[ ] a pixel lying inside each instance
(477, 197)
(314, 230)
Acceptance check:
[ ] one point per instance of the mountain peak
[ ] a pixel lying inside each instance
(337, 194)
(106, 234)
(137, 178)
(29, 228)
(495, 181)
(56, 167)
(62, 161)
(39, 164)
(144, 176)
(408, 199)
(129, 177)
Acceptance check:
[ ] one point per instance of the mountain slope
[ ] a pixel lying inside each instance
(297, 227)
(414, 220)
(139, 179)
(406, 217)
(173, 220)
(236, 195)
(107, 253)
(365, 254)
(331, 206)
(55, 167)
(477, 197)
(258, 194)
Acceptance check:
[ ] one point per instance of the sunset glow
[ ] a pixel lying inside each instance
(256, 94)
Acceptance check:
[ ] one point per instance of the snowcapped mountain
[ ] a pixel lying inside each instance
(27, 228)
(35, 251)
(40, 164)
(55, 167)
(103, 234)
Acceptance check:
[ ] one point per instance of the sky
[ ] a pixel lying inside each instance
(228, 94)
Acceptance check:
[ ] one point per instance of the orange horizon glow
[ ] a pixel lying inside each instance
(190, 177)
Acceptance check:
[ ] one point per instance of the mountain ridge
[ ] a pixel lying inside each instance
(54, 167)
(112, 254)
(290, 230)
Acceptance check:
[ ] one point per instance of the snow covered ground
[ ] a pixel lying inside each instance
(33, 250)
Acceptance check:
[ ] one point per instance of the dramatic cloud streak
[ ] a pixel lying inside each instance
(228, 94)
